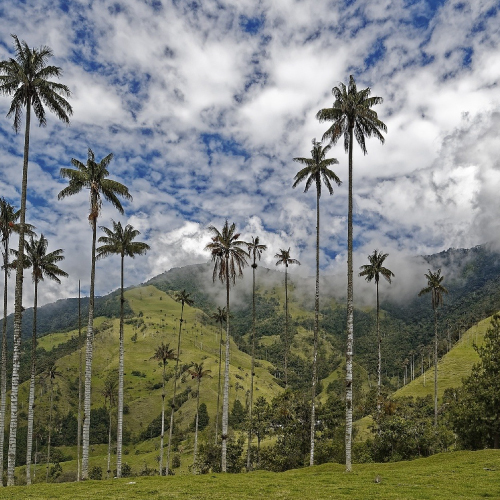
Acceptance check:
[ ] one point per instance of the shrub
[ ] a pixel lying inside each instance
(95, 473)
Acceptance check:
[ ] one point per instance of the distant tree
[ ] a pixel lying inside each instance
(163, 354)
(185, 299)
(43, 265)
(92, 176)
(219, 316)
(373, 271)
(436, 289)
(316, 171)
(203, 418)
(26, 78)
(229, 260)
(260, 422)
(284, 259)
(120, 241)
(352, 117)
(255, 249)
(197, 372)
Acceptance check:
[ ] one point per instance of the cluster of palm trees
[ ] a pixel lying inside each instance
(27, 77)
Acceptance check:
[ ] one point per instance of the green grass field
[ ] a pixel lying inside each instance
(457, 475)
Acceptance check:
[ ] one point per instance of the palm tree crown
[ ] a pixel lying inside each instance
(25, 78)
(163, 353)
(352, 111)
(316, 169)
(373, 270)
(255, 249)
(434, 287)
(184, 298)
(284, 258)
(120, 241)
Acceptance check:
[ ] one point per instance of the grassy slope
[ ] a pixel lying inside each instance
(458, 475)
(452, 367)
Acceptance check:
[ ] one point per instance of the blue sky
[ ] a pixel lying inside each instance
(205, 104)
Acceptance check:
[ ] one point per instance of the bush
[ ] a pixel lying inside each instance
(176, 461)
(95, 473)
(126, 470)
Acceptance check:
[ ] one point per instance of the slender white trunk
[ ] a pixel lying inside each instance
(31, 397)
(3, 383)
(435, 368)
(108, 470)
(79, 420)
(218, 386)
(121, 368)
(196, 424)
(50, 429)
(18, 304)
(379, 365)
(225, 398)
(162, 421)
(286, 325)
(254, 267)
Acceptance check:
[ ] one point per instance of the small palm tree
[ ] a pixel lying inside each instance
(219, 316)
(43, 265)
(352, 117)
(185, 299)
(26, 78)
(436, 289)
(51, 373)
(284, 259)
(316, 171)
(197, 372)
(120, 241)
(373, 271)
(255, 249)
(92, 176)
(163, 354)
(109, 394)
(229, 259)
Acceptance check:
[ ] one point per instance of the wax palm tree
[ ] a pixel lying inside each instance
(92, 176)
(120, 241)
(284, 259)
(26, 78)
(317, 171)
(219, 316)
(43, 265)
(373, 271)
(229, 259)
(436, 289)
(50, 373)
(352, 117)
(255, 249)
(109, 394)
(163, 354)
(185, 299)
(197, 372)
(8, 224)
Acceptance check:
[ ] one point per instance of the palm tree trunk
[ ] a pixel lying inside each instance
(108, 470)
(119, 437)
(31, 398)
(286, 325)
(316, 326)
(18, 304)
(435, 368)
(162, 422)
(225, 399)
(350, 318)
(379, 366)
(3, 383)
(196, 424)
(175, 390)
(252, 369)
(79, 431)
(50, 430)
(88, 358)
(218, 385)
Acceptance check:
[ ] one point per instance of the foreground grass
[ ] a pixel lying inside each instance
(458, 475)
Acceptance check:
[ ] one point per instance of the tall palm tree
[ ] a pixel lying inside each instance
(255, 249)
(352, 117)
(436, 289)
(43, 265)
(317, 170)
(197, 372)
(8, 224)
(373, 271)
(51, 373)
(229, 259)
(219, 316)
(120, 241)
(26, 78)
(162, 354)
(185, 299)
(92, 176)
(284, 259)
(109, 394)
